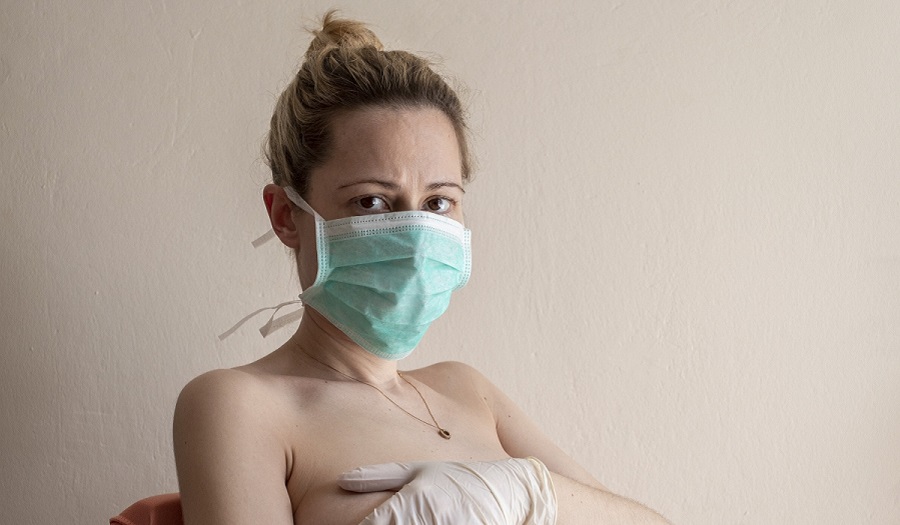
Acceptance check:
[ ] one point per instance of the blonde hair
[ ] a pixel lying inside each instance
(346, 68)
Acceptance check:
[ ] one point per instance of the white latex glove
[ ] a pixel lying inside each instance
(505, 492)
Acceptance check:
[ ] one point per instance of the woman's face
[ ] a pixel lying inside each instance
(383, 160)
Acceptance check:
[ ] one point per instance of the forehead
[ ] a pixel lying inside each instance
(410, 146)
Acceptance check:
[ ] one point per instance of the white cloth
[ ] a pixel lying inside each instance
(505, 492)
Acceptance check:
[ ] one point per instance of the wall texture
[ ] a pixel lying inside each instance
(685, 228)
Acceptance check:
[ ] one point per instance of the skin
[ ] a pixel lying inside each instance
(265, 442)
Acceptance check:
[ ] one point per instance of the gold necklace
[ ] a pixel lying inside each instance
(443, 432)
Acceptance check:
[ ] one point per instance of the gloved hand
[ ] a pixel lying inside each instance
(505, 492)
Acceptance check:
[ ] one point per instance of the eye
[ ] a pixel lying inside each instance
(372, 204)
(439, 205)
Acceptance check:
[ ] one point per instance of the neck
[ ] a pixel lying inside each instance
(317, 342)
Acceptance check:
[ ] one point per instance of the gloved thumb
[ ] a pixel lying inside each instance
(374, 478)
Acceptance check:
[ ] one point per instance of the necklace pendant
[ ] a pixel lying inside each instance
(443, 433)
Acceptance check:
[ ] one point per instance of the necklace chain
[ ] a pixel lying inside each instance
(444, 433)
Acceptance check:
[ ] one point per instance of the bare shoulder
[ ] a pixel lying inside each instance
(228, 443)
(232, 402)
(450, 369)
(220, 392)
(218, 381)
(223, 408)
(453, 375)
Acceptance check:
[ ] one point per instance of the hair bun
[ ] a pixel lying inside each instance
(341, 33)
(346, 68)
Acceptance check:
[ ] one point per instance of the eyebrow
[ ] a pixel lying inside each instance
(394, 186)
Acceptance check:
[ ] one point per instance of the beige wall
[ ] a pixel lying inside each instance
(685, 227)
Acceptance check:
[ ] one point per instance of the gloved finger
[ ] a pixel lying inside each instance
(374, 478)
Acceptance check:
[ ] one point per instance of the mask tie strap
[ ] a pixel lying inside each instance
(272, 324)
(264, 238)
(300, 202)
(295, 197)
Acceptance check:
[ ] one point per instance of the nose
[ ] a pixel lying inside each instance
(406, 202)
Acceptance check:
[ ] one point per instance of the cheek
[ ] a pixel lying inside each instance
(458, 216)
(307, 256)
(306, 269)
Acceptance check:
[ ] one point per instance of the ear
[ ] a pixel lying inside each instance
(281, 215)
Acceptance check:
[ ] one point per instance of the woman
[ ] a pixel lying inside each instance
(369, 160)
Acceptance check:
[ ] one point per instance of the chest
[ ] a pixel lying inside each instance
(336, 433)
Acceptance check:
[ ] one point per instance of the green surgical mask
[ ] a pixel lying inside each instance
(383, 279)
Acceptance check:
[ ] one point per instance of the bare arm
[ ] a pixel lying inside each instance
(581, 498)
(231, 467)
(579, 504)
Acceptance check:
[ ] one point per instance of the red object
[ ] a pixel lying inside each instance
(164, 509)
